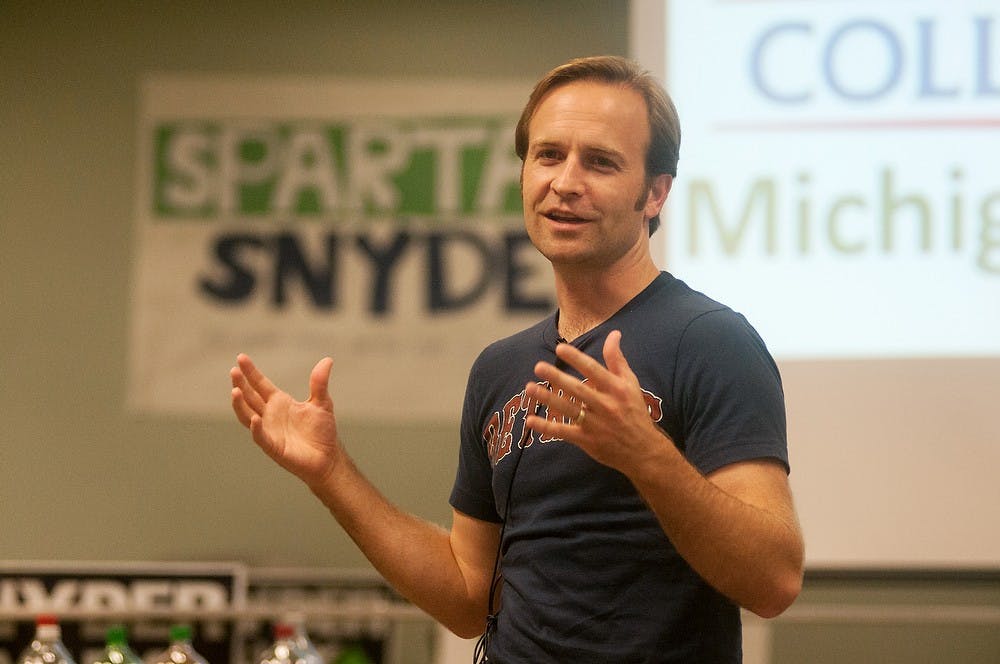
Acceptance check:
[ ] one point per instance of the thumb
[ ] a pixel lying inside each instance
(614, 359)
(319, 380)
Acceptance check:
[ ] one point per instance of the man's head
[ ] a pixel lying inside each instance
(664, 126)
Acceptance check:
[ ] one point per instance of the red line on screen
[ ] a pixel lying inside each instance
(841, 125)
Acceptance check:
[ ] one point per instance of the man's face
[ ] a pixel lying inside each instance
(584, 185)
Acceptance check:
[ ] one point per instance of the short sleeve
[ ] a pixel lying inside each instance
(729, 394)
(472, 493)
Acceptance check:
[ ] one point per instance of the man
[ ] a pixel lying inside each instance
(623, 462)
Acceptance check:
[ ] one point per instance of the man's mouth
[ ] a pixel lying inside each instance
(563, 217)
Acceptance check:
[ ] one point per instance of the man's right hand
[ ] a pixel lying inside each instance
(446, 573)
(300, 435)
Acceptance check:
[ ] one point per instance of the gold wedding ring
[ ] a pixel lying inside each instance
(583, 413)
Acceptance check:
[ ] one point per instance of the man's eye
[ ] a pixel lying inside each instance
(603, 162)
(548, 154)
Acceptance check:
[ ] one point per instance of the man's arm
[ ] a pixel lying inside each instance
(736, 527)
(445, 573)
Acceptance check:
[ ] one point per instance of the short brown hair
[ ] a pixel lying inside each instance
(664, 126)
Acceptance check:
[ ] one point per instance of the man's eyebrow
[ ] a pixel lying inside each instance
(542, 143)
(597, 150)
(605, 152)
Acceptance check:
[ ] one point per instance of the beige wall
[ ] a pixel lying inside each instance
(81, 478)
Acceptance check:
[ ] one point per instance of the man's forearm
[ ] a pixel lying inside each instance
(415, 556)
(737, 529)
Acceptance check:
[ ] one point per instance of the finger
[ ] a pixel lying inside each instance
(250, 396)
(553, 427)
(577, 390)
(559, 404)
(243, 412)
(255, 379)
(614, 359)
(555, 376)
(588, 367)
(259, 436)
(319, 380)
(617, 364)
(557, 389)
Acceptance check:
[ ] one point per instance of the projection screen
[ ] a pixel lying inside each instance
(839, 184)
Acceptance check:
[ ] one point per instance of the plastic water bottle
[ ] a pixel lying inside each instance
(287, 647)
(305, 644)
(116, 649)
(47, 646)
(180, 650)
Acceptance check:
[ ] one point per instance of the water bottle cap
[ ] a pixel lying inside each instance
(47, 627)
(354, 655)
(116, 635)
(180, 633)
(283, 630)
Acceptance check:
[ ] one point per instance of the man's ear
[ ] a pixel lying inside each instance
(659, 188)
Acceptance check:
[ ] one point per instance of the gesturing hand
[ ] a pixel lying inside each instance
(300, 435)
(605, 414)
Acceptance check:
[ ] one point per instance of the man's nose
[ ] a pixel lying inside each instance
(569, 180)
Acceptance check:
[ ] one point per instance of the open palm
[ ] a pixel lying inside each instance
(300, 435)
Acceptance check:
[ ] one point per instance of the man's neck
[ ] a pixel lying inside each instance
(587, 298)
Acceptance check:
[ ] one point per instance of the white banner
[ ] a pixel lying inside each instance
(378, 223)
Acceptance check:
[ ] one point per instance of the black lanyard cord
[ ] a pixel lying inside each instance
(479, 654)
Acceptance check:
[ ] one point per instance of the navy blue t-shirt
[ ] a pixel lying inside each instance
(588, 573)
